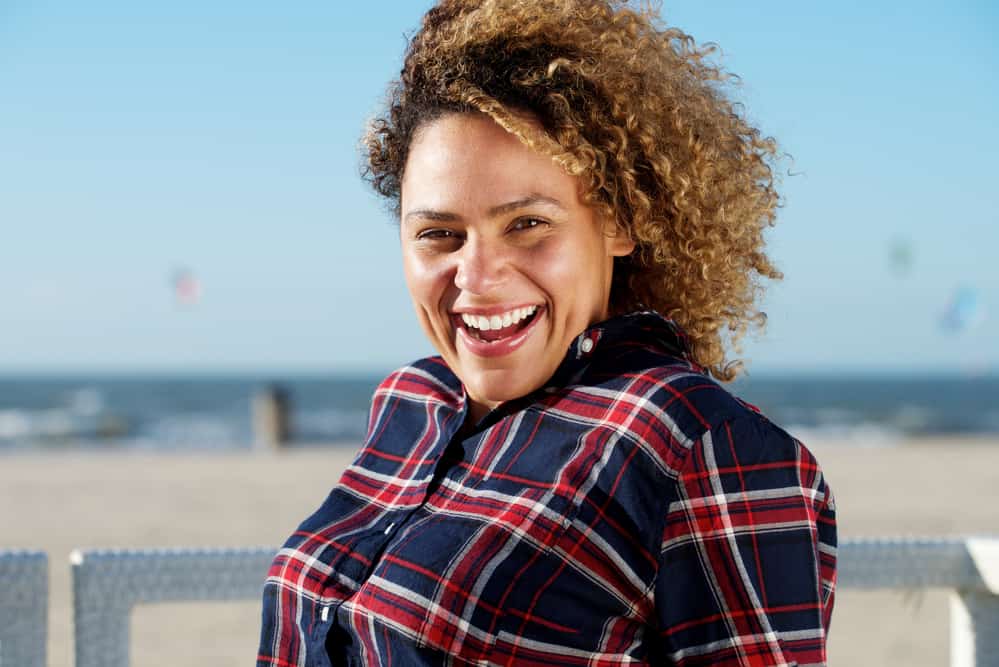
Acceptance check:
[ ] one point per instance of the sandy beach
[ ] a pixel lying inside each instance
(57, 501)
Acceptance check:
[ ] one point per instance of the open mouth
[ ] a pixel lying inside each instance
(497, 327)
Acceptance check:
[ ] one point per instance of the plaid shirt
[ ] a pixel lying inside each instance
(630, 512)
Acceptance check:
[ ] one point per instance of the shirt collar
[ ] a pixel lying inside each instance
(644, 326)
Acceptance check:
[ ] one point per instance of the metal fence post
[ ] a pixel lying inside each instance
(24, 603)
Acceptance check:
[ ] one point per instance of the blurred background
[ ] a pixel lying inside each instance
(183, 218)
(183, 228)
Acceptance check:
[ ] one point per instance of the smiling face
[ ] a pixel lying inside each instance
(504, 262)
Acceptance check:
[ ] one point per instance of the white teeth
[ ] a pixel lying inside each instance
(497, 321)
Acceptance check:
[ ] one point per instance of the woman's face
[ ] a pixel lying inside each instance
(503, 261)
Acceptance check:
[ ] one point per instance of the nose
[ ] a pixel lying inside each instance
(481, 266)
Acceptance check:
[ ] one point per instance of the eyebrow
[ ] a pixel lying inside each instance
(499, 209)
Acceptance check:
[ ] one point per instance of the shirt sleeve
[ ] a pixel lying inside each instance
(747, 568)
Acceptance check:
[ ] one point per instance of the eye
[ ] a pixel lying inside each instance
(524, 224)
(436, 234)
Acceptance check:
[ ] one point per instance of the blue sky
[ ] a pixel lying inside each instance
(136, 138)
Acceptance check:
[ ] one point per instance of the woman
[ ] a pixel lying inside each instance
(581, 213)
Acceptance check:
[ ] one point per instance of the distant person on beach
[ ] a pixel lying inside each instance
(581, 213)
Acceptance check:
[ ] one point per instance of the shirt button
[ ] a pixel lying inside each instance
(389, 528)
(587, 345)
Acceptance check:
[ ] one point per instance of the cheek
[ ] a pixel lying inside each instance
(411, 273)
(576, 277)
(426, 280)
(567, 267)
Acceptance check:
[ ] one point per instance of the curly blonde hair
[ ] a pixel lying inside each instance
(636, 110)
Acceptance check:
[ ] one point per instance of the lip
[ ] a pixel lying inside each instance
(493, 310)
(500, 347)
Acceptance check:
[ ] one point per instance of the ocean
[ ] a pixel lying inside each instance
(214, 413)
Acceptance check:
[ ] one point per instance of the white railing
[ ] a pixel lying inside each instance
(107, 584)
(969, 567)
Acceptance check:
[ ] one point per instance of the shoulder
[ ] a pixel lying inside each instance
(734, 433)
(641, 379)
(676, 408)
(412, 411)
(669, 388)
(742, 452)
(427, 379)
(644, 356)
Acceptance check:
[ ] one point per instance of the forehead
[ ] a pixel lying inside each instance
(468, 160)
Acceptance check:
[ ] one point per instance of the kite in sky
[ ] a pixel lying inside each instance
(186, 287)
(964, 311)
